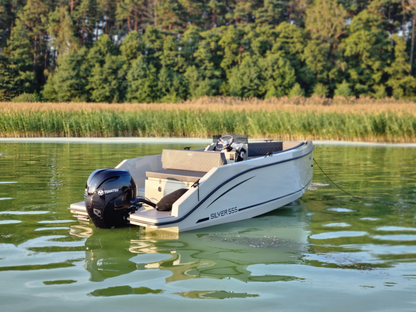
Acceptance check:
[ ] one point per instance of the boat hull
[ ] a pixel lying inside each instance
(236, 192)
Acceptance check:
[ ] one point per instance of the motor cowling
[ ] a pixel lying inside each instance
(108, 193)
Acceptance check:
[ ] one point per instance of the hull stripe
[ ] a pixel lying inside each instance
(266, 202)
(238, 184)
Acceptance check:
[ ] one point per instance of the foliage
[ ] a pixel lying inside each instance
(320, 90)
(296, 91)
(343, 89)
(152, 51)
(24, 97)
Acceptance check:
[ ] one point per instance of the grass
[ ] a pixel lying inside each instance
(287, 119)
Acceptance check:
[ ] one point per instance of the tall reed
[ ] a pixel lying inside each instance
(387, 126)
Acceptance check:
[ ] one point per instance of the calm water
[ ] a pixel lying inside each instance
(327, 251)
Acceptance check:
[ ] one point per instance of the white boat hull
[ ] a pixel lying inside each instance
(227, 193)
(237, 192)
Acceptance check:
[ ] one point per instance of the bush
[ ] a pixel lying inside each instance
(343, 89)
(379, 92)
(398, 93)
(320, 90)
(25, 97)
(296, 91)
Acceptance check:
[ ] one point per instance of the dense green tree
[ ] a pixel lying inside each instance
(128, 14)
(247, 79)
(107, 83)
(34, 16)
(243, 11)
(207, 58)
(367, 51)
(142, 83)
(412, 8)
(131, 47)
(291, 40)
(279, 75)
(105, 16)
(215, 14)
(69, 83)
(320, 90)
(232, 49)
(192, 12)
(6, 18)
(86, 19)
(343, 89)
(171, 86)
(62, 32)
(326, 22)
(209, 53)
(19, 66)
(325, 19)
(296, 91)
(168, 15)
(315, 57)
(99, 51)
(189, 43)
(402, 84)
(170, 57)
(153, 42)
(198, 84)
(147, 50)
(271, 13)
(7, 77)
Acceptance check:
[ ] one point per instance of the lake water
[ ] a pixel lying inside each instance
(328, 251)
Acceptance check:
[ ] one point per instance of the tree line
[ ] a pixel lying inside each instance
(168, 51)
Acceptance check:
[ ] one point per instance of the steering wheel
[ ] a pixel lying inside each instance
(224, 142)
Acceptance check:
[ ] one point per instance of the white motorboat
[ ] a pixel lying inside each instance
(180, 190)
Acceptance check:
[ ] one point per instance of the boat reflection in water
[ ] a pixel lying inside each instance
(224, 251)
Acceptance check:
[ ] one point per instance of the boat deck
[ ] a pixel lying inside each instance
(150, 216)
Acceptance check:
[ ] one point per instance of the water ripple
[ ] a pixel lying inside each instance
(338, 234)
(8, 212)
(340, 209)
(10, 221)
(53, 228)
(341, 224)
(395, 228)
(55, 221)
(398, 237)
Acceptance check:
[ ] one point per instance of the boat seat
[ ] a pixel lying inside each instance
(187, 166)
(201, 161)
(263, 148)
(176, 175)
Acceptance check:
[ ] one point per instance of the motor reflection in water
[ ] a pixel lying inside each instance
(225, 251)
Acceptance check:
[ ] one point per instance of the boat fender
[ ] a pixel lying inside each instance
(165, 204)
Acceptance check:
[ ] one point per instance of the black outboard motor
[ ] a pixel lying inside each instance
(108, 193)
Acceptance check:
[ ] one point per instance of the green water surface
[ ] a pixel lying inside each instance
(328, 251)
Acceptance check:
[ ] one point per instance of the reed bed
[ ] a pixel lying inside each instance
(294, 104)
(351, 121)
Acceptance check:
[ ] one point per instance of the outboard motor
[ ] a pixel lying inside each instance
(108, 193)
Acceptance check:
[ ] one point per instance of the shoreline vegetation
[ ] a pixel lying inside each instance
(163, 51)
(297, 118)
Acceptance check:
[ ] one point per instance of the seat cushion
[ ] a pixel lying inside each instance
(178, 175)
(192, 160)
